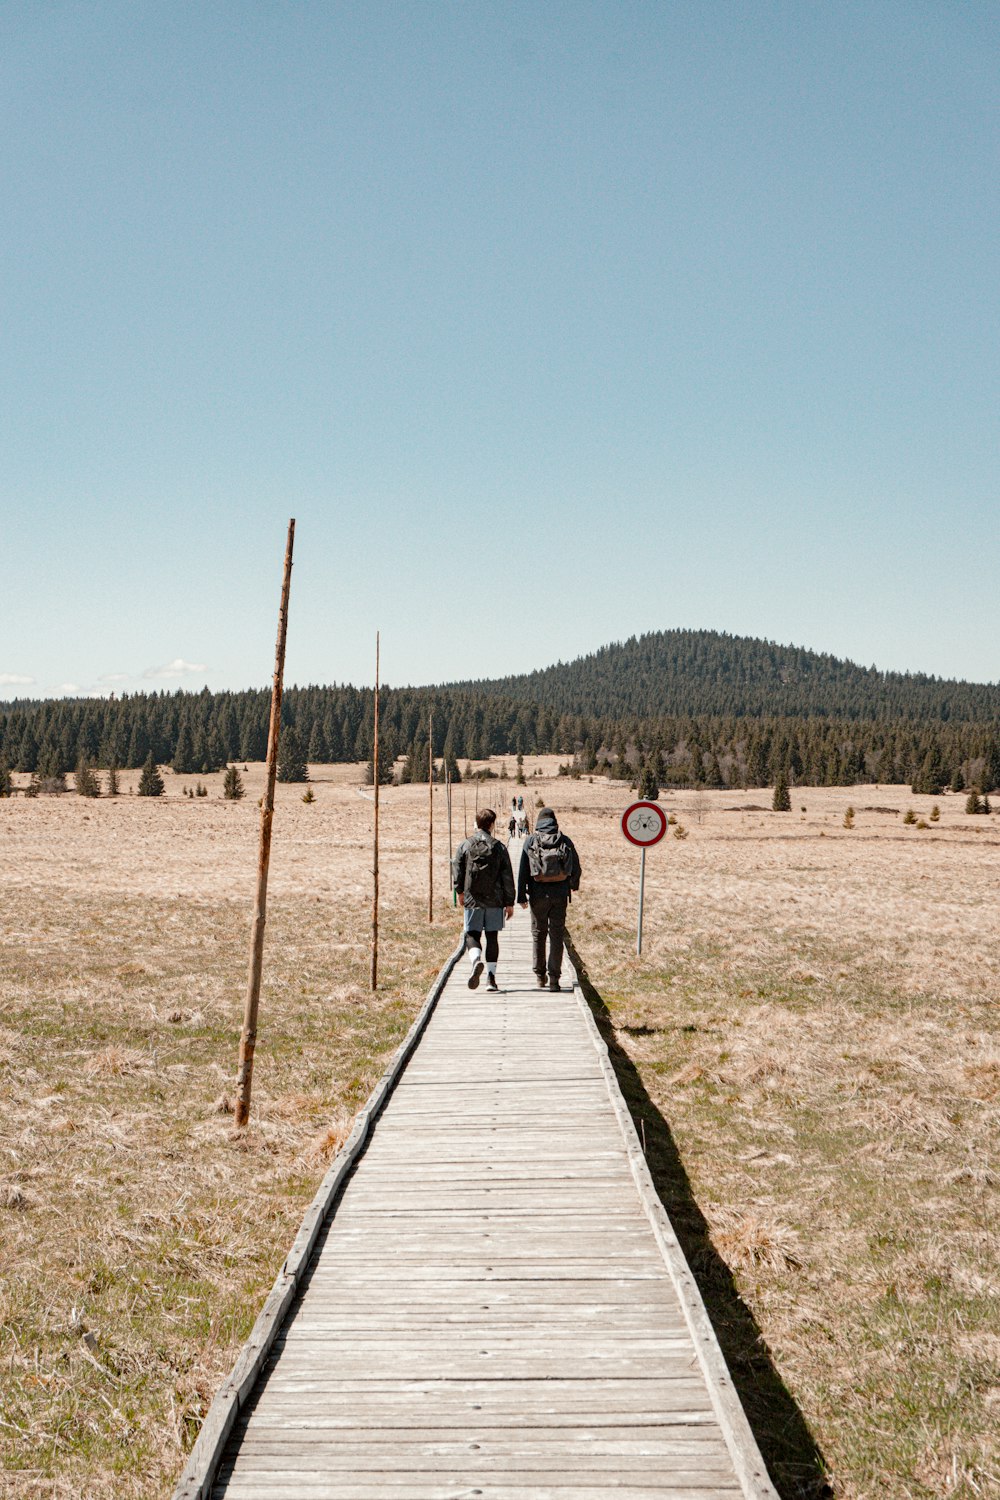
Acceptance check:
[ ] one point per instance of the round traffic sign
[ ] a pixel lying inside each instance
(644, 824)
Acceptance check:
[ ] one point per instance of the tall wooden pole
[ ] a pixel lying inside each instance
(376, 778)
(430, 817)
(248, 1036)
(451, 842)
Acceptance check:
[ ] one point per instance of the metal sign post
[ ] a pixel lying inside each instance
(643, 824)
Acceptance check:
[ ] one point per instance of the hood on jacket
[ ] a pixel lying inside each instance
(546, 821)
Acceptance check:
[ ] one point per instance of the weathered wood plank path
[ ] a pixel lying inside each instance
(498, 1306)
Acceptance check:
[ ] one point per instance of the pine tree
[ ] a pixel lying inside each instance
(150, 782)
(930, 779)
(232, 785)
(51, 776)
(183, 761)
(957, 782)
(990, 778)
(317, 751)
(385, 765)
(5, 781)
(113, 787)
(291, 762)
(649, 787)
(781, 802)
(87, 784)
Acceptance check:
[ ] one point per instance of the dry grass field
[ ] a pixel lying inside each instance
(809, 1043)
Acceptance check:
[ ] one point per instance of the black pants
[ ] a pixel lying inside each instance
(548, 920)
(475, 940)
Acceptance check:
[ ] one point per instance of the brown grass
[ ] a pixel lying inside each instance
(139, 1232)
(814, 1016)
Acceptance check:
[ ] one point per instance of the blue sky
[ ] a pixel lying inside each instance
(550, 323)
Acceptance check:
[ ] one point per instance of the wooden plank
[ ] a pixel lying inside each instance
(491, 1312)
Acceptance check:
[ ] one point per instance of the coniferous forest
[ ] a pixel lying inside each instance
(694, 708)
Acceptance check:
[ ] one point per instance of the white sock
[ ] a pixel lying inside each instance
(491, 969)
(475, 956)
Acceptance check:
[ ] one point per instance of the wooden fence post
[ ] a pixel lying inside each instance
(248, 1036)
(376, 779)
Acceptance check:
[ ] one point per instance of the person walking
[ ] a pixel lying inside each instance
(483, 879)
(548, 875)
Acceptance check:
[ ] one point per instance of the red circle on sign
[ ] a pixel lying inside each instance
(644, 824)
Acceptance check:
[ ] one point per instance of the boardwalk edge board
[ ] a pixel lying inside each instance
(199, 1473)
(750, 1467)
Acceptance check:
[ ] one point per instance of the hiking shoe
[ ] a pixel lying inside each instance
(477, 970)
(554, 984)
(491, 981)
(540, 980)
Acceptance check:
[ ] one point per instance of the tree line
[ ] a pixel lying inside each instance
(706, 672)
(197, 733)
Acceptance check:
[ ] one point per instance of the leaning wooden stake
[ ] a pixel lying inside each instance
(430, 817)
(248, 1036)
(375, 778)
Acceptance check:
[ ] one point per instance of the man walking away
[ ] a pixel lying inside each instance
(549, 872)
(483, 879)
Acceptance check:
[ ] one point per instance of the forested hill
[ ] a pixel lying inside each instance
(695, 672)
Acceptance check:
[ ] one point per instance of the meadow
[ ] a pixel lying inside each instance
(809, 1042)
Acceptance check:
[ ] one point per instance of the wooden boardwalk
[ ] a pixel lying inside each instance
(498, 1306)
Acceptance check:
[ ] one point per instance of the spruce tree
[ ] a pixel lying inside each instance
(781, 802)
(113, 787)
(930, 779)
(957, 780)
(291, 762)
(51, 776)
(150, 782)
(385, 765)
(317, 752)
(232, 785)
(5, 781)
(649, 787)
(87, 784)
(990, 779)
(183, 761)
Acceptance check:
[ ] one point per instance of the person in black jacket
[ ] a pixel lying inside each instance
(483, 879)
(549, 872)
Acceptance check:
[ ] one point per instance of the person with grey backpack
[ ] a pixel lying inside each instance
(483, 879)
(549, 873)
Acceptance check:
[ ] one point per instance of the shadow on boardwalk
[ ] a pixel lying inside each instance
(793, 1458)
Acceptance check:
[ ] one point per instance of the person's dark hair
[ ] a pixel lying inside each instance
(486, 819)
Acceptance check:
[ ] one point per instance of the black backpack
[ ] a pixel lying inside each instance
(549, 858)
(480, 870)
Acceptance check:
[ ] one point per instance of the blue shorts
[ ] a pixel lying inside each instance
(484, 919)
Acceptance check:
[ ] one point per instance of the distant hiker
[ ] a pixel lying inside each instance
(483, 878)
(512, 827)
(548, 874)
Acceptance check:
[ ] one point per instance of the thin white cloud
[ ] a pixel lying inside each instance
(176, 668)
(14, 679)
(113, 677)
(69, 687)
